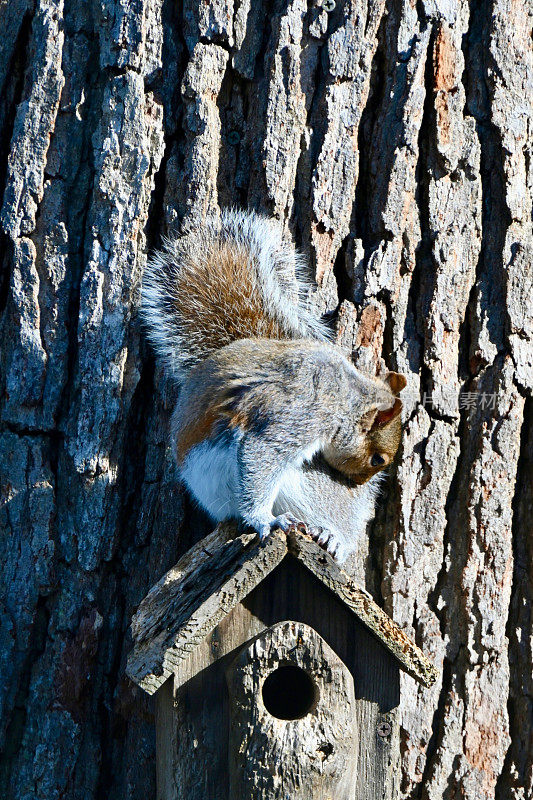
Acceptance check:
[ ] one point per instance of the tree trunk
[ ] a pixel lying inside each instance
(393, 140)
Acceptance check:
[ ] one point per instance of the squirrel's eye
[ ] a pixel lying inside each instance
(376, 460)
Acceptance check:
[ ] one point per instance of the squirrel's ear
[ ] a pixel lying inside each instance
(379, 417)
(386, 416)
(395, 381)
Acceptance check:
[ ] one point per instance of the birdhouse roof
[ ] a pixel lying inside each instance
(217, 574)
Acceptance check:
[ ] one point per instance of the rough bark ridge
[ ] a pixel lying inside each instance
(393, 139)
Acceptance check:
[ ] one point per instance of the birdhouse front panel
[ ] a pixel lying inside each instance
(292, 715)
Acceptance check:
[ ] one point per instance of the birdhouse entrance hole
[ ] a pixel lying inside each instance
(289, 692)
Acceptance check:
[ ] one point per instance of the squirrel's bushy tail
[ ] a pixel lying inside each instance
(232, 278)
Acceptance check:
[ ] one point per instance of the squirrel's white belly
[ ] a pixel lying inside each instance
(210, 471)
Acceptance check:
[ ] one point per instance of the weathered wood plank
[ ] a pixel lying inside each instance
(193, 597)
(412, 659)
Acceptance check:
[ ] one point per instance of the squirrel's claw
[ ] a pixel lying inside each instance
(328, 541)
(286, 522)
(264, 532)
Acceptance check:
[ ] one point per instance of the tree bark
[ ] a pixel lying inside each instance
(393, 141)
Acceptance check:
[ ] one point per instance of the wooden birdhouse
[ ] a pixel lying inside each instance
(276, 677)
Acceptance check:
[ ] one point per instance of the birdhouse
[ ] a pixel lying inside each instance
(275, 676)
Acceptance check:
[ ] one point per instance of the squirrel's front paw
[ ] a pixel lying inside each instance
(329, 542)
(286, 522)
(289, 522)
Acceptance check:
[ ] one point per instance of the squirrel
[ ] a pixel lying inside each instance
(273, 426)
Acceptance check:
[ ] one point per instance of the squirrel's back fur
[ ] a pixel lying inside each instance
(232, 278)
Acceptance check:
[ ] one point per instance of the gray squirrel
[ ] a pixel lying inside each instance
(273, 426)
